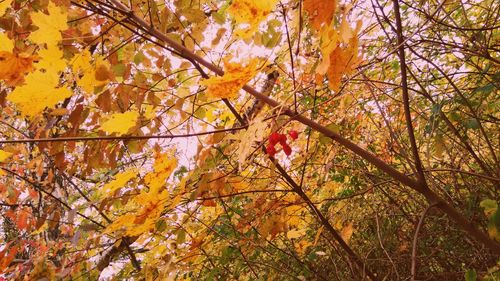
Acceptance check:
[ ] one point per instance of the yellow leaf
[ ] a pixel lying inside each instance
(51, 59)
(330, 40)
(120, 123)
(346, 32)
(93, 75)
(41, 229)
(49, 26)
(120, 180)
(163, 168)
(302, 246)
(38, 93)
(81, 62)
(320, 12)
(238, 184)
(3, 6)
(273, 225)
(149, 111)
(318, 235)
(148, 205)
(249, 13)
(328, 43)
(292, 234)
(4, 155)
(255, 132)
(228, 85)
(6, 45)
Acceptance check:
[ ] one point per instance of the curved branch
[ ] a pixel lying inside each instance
(415, 240)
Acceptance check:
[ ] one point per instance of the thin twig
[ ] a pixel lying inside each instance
(415, 240)
(101, 138)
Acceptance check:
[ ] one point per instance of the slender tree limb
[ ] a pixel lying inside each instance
(100, 138)
(379, 236)
(406, 98)
(415, 240)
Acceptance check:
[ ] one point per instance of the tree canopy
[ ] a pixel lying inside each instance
(249, 140)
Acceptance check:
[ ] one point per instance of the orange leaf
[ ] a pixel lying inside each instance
(234, 78)
(22, 219)
(13, 67)
(347, 232)
(320, 12)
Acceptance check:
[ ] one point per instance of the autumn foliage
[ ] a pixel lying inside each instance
(148, 140)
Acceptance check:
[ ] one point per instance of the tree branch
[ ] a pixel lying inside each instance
(64, 139)
(406, 98)
(415, 240)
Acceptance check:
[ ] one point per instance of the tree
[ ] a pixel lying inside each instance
(249, 140)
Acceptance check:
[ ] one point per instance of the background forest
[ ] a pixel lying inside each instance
(249, 140)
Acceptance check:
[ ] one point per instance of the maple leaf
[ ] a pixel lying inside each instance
(49, 26)
(6, 45)
(328, 43)
(234, 78)
(13, 67)
(256, 132)
(330, 39)
(3, 6)
(163, 168)
(147, 205)
(4, 155)
(93, 75)
(273, 225)
(302, 246)
(342, 61)
(120, 123)
(296, 233)
(144, 218)
(249, 13)
(38, 93)
(152, 204)
(119, 182)
(51, 60)
(320, 12)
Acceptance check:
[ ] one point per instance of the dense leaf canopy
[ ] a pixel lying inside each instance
(249, 140)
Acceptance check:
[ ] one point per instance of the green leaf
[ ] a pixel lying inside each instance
(138, 58)
(489, 206)
(470, 275)
(326, 140)
(193, 15)
(161, 225)
(486, 89)
(472, 123)
(200, 113)
(219, 18)
(118, 69)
